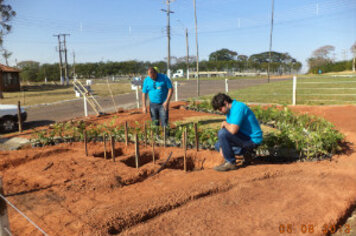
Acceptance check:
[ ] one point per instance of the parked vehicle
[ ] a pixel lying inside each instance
(8, 117)
(136, 81)
(179, 74)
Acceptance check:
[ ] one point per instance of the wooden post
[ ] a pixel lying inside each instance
(126, 134)
(104, 142)
(145, 134)
(185, 148)
(85, 142)
(164, 136)
(19, 116)
(153, 147)
(196, 137)
(137, 151)
(4, 220)
(113, 148)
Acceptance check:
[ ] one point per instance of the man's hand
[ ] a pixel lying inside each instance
(144, 109)
(165, 105)
(233, 129)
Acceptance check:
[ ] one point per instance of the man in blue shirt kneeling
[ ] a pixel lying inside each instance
(239, 134)
(159, 89)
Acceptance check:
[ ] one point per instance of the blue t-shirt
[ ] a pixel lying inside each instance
(240, 114)
(157, 89)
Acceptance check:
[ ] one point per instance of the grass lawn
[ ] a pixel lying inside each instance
(311, 90)
(40, 93)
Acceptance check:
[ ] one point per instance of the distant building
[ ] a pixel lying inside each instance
(9, 79)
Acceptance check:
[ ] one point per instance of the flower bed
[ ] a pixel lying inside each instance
(301, 137)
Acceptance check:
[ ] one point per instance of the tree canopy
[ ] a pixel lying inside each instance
(281, 63)
(320, 56)
(7, 14)
(223, 55)
(275, 57)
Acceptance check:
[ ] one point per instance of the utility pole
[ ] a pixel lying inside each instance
(344, 54)
(168, 11)
(60, 58)
(65, 59)
(196, 44)
(270, 44)
(187, 59)
(74, 74)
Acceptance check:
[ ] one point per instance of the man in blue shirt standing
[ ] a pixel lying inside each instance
(239, 134)
(159, 89)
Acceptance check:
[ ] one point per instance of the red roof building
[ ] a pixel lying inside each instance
(9, 79)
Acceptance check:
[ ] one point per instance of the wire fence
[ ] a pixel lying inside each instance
(336, 91)
(4, 222)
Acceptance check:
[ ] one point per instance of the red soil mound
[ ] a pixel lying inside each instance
(67, 193)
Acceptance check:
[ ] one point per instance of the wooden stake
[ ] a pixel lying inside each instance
(164, 136)
(145, 134)
(85, 142)
(137, 151)
(126, 134)
(113, 148)
(185, 148)
(104, 141)
(19, 116)
(4, 220)
(196, 136)
(153, 147)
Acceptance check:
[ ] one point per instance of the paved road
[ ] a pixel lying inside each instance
(44, 114)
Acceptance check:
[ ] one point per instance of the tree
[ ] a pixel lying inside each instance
(29, 70)
(353, 51)
(223, 55)
(280, 62)
(7, 14)
(321, 56)
(323, 52)
(6, 54)
(242, 58)
(277, 57)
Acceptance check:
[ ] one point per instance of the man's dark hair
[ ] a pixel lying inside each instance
(219, 100)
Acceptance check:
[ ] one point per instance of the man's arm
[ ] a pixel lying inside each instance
(233, 129)
(169, 95)
(144, 97)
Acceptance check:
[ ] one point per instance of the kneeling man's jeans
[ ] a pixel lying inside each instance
(158, 114)
(233, 144)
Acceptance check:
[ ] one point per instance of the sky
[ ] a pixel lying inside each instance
(120, 30)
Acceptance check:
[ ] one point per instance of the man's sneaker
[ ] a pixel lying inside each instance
(226, 167)
(248, 156)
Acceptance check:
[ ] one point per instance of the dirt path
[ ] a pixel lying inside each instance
(262, 198)
(67, 193)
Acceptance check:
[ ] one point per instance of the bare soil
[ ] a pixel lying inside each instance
(68, 193)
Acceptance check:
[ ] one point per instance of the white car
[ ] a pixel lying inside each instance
(8, 117)
(178, 74)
